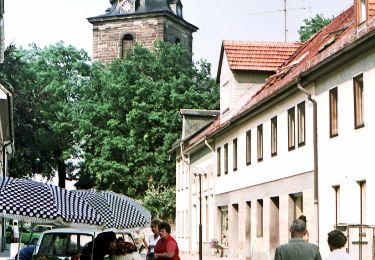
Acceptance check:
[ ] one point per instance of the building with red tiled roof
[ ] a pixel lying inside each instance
(289, 142)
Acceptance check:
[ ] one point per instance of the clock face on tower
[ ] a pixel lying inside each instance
(127, 6)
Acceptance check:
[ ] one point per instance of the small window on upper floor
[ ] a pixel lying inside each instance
(362, 11)
(301, 123)
(358, 102)
(225, 158)
(274, 136)
(126, 44)
(177, 41)
(248, 147)
(291, 129)
(235, 154)
(218, 161)
(333, 113)
(260, 142)
(224, 97)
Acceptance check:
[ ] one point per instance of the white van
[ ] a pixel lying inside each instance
(67, 243)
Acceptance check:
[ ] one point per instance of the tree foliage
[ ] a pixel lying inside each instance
(311, 26)
(128, 115)
(43, 82)
(160, 201)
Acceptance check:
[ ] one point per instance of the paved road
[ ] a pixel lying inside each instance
(5, 256)
(205, 257)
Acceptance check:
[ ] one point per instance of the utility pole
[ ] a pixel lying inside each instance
(285, 28)
(200, 212)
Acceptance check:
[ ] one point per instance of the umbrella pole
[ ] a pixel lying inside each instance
(19, 243)
(92, 248)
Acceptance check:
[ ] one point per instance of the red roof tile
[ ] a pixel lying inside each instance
(261, 56)
(331, 39)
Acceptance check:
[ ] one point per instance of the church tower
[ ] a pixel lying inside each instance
(143, 21)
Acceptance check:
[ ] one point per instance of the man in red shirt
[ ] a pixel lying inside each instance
(166, 247)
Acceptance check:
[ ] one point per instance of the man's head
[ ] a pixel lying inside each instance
(303, 218)
(298, 228)
(164, 229)
(336, 239)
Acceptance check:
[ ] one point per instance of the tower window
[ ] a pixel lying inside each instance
(177, 41)
(127, 43)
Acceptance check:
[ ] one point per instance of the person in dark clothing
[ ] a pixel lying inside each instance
(102, 246)
(26, 253)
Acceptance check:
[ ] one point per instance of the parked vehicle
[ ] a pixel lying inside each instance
(29, 235)
(67, 243)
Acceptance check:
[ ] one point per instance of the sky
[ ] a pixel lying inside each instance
(46, 22)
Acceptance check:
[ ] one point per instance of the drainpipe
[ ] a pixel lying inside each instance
(315, 147)
(214, 191)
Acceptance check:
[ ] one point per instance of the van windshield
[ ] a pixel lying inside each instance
(62, 244)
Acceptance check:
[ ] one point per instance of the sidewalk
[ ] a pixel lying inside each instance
(186, 256)
(5, 254)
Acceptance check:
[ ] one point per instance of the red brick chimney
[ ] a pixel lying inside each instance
(364, 10)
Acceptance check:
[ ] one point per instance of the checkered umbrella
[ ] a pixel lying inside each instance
(37, 202)
(117, 211)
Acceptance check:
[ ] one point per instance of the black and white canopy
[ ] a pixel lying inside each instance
(37, 202)
(117, 211)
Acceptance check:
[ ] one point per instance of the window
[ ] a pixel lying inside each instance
(225, 97)
(224, 224)
(362, 201)
(301, 123)
(358, 102)
(235, 154)
(127, 43)
(333, 113)
(248, 147)
(259, 218)
(274, 136)
(260, 142)
(362, 11)
(225, 158)
(291, 128)
(218, 161)
(337, 203)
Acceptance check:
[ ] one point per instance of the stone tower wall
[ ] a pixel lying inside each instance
(107, 34)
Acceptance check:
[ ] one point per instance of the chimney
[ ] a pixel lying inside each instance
(364, 10)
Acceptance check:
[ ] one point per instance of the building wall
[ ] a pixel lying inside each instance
(346, 159)
(107, 35)
(237, 87)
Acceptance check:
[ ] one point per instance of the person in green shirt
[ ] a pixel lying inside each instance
(297, 248)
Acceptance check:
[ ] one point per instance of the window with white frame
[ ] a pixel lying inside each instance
(218, 161)
(226, 158)
(291, 129)
(333, 113)
(260, 142)
(274, 136)
(225, 97)
(301, 123)
(248, 147)
(358, 102)
(235, 154)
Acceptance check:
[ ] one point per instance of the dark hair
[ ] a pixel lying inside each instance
(166, 226)
(336, 239)
(303, 218)
(155, 222)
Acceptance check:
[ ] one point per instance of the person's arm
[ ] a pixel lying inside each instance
(145, 242)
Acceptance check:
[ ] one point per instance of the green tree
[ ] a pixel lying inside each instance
(311, 26)
(44, 83)
(160, 201)
(128, 115)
